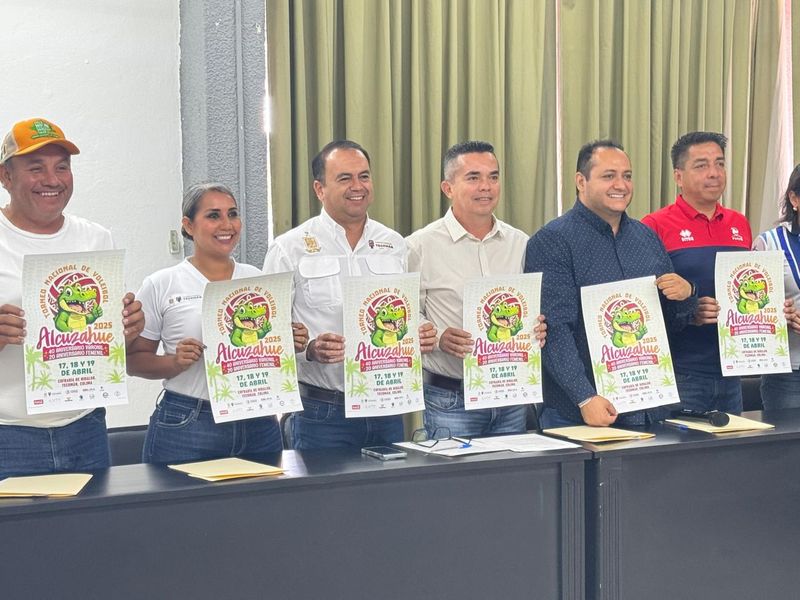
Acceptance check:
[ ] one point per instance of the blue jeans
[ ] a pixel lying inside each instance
(703, 393)
(323, 425)
(80, 446)
(780, 390)
(182, 428)
(445, 409)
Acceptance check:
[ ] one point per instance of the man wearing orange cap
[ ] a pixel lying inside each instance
(35, 169)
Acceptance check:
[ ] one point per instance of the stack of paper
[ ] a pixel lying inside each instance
(525, 442)
(735, 425)
(226, 468)
(584, 433)
(58, 485)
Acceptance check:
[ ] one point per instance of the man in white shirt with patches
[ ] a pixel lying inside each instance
(341, 241)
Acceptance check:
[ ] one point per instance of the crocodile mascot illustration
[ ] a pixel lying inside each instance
(77, 308)
(250, 324)
(505, 322)
(628, 326)
(752, 296)
(390, 326)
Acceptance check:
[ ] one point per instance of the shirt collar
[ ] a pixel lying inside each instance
(692, 214)
(596, 221)
(333, 227)
(457, 231)
(790, 227)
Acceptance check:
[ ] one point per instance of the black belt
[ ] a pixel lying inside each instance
(442, 381)
(320, 394)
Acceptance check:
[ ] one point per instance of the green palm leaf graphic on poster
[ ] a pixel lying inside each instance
(224, 393)
(470, 363)
(665, 362)
(416, 366)
(288, 365)
(600, 376)
(782, 334)
(351, 369)
(214, 374)
(416, 385)
(359, 389)
(43, 381)
(477, 382)
(781, 351)
(33, 359)
(729, 349)
(116, 355)
(288, 386)
(116, 376)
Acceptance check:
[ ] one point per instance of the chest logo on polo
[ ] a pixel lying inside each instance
(383, 245)
(686, 235)
(312, 244)
(735, 235)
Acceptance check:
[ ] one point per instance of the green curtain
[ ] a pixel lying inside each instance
(407, 79)
(646, 72)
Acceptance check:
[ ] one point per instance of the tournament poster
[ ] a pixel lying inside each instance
(752, 332)
(505, 365)
(249, 356)
(74, 350)
(628, 344)
(383, 364)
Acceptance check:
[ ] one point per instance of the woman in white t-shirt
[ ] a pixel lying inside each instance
(782, 390)
(182, 428)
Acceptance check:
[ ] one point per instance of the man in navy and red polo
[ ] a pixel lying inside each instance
(693, 230)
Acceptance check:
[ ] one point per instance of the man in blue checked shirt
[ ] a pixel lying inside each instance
(596, 242)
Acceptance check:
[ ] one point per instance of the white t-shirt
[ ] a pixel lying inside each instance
(318, 254)
(172, 301)
(76, 235)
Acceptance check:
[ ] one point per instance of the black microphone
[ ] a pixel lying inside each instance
(714, 417)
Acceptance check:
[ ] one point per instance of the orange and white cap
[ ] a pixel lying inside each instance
(32, 134)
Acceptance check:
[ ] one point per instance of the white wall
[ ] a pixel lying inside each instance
(107, 72)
